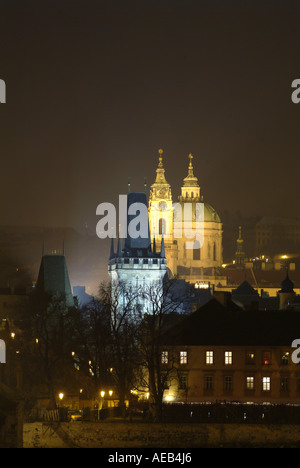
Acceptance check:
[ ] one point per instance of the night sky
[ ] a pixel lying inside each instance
(95, 88)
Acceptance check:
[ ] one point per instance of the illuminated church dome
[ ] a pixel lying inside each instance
(185, 259)
(210, 214)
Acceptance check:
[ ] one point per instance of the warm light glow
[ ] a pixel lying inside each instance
(36, 340)
(60, 395)
(110, 392)
(102, 393)
(73, 354)
(284, 256)
(12, 335)
(169, 398)
(147, 395)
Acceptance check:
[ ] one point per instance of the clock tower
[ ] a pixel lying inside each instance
(161, 214)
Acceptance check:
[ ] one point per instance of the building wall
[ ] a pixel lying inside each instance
(281, 377)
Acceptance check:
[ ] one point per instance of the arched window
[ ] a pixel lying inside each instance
(196, 251)
(214, 252)
(162, 226)
(192, 195)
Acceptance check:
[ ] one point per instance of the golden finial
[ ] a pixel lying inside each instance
(160, 154)
(190, 158)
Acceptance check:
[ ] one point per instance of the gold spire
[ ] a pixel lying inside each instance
(190, 158)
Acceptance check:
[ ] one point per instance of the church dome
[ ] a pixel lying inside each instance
(210, 214)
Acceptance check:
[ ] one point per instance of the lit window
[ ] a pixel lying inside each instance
(266, 384)
(266, 358)
(250, 357)
(209, 357)
(164, 357)
(249, 383)
(285, 359)
(228, 357)
(183, 357)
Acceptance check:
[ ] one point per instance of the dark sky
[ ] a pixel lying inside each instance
(95, 88)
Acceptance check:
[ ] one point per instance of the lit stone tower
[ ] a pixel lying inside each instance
(136, 265)
(161, 215)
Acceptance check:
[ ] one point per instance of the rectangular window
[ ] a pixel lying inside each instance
(250, 383)
(285, 359)
(284, 384)
(183, 357)
(209, 357)
(164, 357)
(266, 384)
(228, 357)
(182, 382)
(208, 382)
(227, 383)
(266, 358)
(250, 357)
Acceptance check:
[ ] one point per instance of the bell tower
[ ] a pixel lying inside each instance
(161, 213)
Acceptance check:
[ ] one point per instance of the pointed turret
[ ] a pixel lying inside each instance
(240, 254)
(119, 250)
(112, 251)
(190, 189)
(162, 248)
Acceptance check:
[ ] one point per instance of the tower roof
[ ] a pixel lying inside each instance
(190, 180)
(287, 285)
(53, 278)
(160, 171)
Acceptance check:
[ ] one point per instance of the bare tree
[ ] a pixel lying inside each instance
(162, 304)
(124, 311)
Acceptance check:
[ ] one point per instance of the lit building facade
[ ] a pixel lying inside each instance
(224, 353)
(204, 260)
(136, 266)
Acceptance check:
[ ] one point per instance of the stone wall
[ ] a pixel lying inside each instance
(105, 434)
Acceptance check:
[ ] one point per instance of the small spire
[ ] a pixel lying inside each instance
(154, 245)
(160, 151)
(190, 158)
(162, 248)
(112, 250)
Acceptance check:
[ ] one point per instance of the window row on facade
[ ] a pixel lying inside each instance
(251, 357)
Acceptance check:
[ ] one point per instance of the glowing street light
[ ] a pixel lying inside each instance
(60, 396)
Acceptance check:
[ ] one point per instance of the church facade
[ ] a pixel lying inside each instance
(201, 262)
